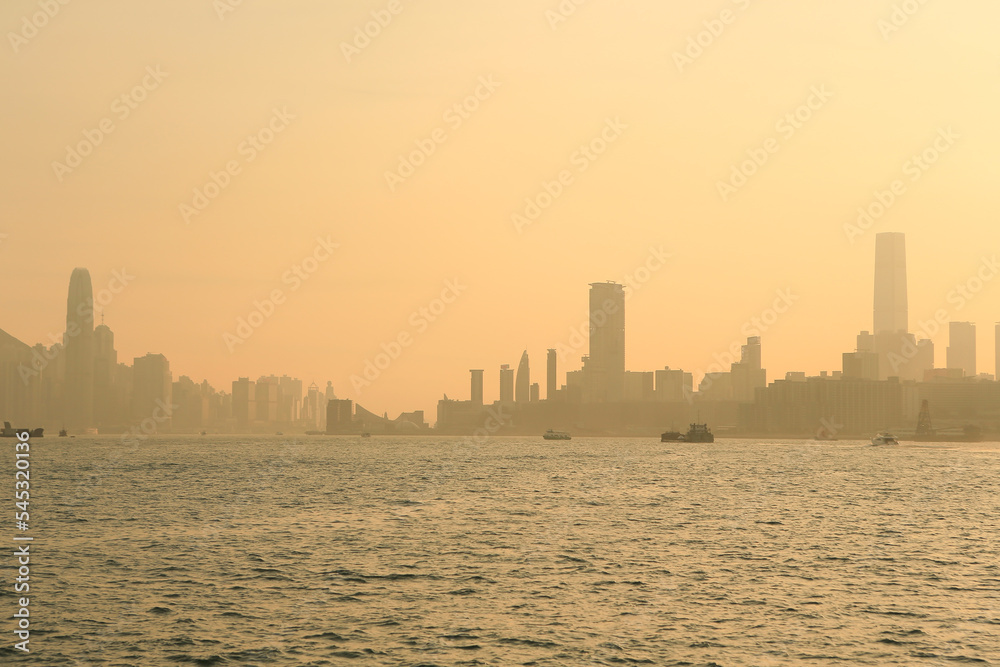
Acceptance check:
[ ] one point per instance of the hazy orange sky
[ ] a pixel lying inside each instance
(677, 128)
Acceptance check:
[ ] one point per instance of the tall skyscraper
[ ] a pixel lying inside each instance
(551, 380)
(606, 362)
(962, 347)
(79, 343)
(506, 384)
(996, 359)
(105, 369)
(891, 314)
(522, 386)
(477, 386)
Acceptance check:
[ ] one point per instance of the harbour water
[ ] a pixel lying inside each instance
(440, 551)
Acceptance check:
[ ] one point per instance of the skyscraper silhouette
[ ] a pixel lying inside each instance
(606, 363)
(79, 344)
(506, 384)
(551, 381)
(962, 347)
(891, 311)
(477, 386)
(522, 385)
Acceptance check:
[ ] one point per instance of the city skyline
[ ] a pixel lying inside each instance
(804, 220)
(94, 386)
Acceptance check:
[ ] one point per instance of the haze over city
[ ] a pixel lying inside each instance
(533, 90)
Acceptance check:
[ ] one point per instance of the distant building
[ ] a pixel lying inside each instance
(522, 385)
(477, 386)
(747, 375)
(962, 347)
(339, 416)
(535, 392)
(79, 345)
(890, 309)
(244, 402)
(107, 408)
(605, 369)
(552, 380)
(639, 386)
(152, 390)
(267, 394)
(997, 353)
(861, 365)
(506, 384)
(673, 385)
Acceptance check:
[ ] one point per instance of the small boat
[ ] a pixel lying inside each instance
(366, 434)
(63, 433)
(671, 436)
(698, 433)
(884, 439)
(556, 435)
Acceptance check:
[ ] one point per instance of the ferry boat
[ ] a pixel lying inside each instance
(556, 435)
(698, 433)
(884, 439)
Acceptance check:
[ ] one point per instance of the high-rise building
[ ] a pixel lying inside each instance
(551, 380)
(314, 410)
(244, 401)
(477, 386)
(152, 390)
(891, 313)
(962, 347)
(105, 369)
(606, 362)
(267, 396)
(506, 384)
(747, 375)
(339, 415)
(79, 344)
(536, 391)
(522, 385)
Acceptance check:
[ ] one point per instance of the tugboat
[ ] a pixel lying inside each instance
(556, 435)
(698, 433)
(63, 433)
